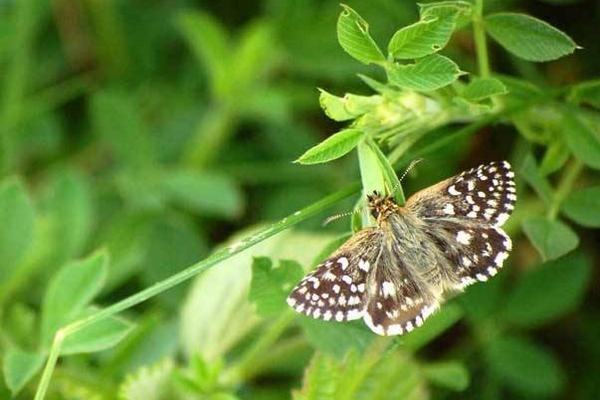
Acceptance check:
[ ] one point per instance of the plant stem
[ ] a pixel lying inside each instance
(564, 186)
(480, 43)
(183, 276)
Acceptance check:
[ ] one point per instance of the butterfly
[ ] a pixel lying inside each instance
(396, 274)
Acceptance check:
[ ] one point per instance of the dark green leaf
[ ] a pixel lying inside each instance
(581, 138)
(70, 290)
(333, 147)
(551, 238)
(528, 37)
(425, 37)
(483, 88)
(448, 374)
(555, 157)
(524, 366)
(16, 228)
(433, 327)
(583, 206)
(270, 286)
(353, 36)
(549, 291)
(531, 173)
(427, 73)
(19, 367)
(325, 335)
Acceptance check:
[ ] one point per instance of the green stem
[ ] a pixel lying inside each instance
(246, 365)
(564, 186)
(183, 276)
(480, 43)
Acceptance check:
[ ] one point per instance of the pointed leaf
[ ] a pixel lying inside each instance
(101, 335)
(428, 73)
(333, 147)
(353, 35)
(70, 290)
(551, 239)
(581, 138)
(527, 37)
(483, 88)
(425, 37)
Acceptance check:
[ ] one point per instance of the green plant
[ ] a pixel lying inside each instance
(124, 215)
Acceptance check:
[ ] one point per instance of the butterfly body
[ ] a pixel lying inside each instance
(397, 273)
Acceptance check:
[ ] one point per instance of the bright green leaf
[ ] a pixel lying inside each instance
(555, 157)
(348, 107)
(483, 88)
(149, 383)
(333, 147)
(16, 228)
(447, 374)
(583, 206)
(528, 37)
(524, 366)
(19, 367)
(551, 238)
(353, 36)
(70, 290)
(372, 175)
(548, 292)
(425, 37)
(270, 286)
(581, 138)
(101, 335)
(203, 192)
(586, 93)
(427, 73)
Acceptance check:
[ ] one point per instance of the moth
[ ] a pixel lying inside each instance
(396, 274)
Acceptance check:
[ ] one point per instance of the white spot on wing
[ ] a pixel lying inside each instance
(463, 237)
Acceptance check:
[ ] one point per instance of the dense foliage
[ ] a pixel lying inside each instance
(147, 146)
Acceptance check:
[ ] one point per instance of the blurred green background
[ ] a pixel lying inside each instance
(157, 130)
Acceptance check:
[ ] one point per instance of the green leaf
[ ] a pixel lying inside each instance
(433, 327)
(529, 170)
(70, 290)
(555, 157)
(353, 36)
(427, 73)
(586, 93)
(19, 367)
(550, 291)
(206, 193)
(583, 206)
(116, 120)
(211, 46)
(482, 88)
(425, 37)
(320, 379)
(581, 138)
(270, 286)
(447, 374)
(101, 335)
(371, 174)
(551, 239)
(325, 335)
(391, 179)
(348, 107)
(524, 366)
(527, 37)
(333, 147)
(16, 228)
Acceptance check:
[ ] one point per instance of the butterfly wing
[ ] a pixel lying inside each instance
(336, 290)
(463, 215)
(398, 301)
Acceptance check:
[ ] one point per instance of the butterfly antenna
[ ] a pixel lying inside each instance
(412, 164)
(335, 217)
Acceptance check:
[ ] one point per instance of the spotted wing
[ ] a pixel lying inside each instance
(398, 301)
(336, 290)
(484, 194)
(474, 252)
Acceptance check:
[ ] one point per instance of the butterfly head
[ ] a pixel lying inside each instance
(381, 206)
